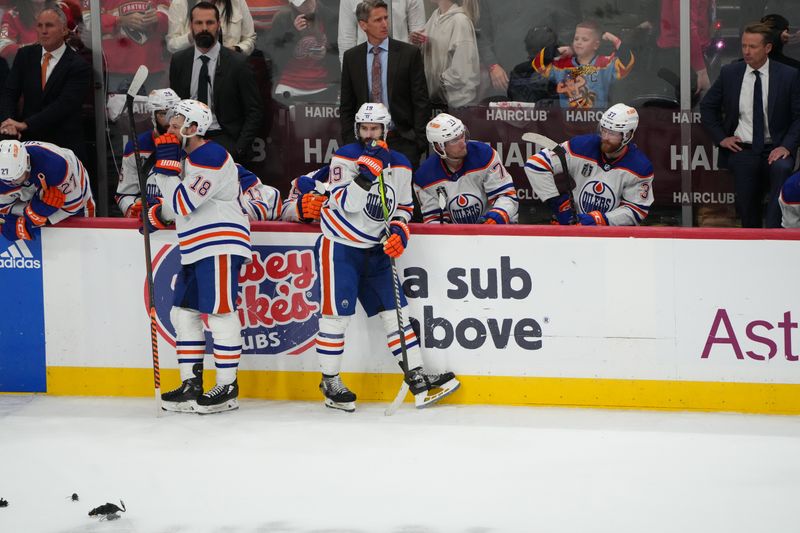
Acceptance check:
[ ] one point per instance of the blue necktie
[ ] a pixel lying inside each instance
(758, 114)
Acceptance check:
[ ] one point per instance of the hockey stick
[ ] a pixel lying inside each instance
(550, 144)
(136, 84)
(401, 394)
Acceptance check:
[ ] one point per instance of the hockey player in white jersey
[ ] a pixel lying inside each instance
(200, 184)
(159, 105)
(40, 183)
(353, 254)
(789, 201)
(613, 178)
(464, 182)
(260, 201)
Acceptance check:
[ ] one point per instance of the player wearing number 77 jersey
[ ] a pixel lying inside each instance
(613, 178)
(202, 190)
(354, 256)
(464, 182)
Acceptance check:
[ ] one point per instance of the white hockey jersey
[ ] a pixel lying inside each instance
(621, 189)
(355, 217)
(320, 177)
(480, 186)
(209, 217)
(260, 201)
(128, 186)
(59, 167)
(790, 201)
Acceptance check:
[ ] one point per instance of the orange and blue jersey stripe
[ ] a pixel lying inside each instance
(210, 235)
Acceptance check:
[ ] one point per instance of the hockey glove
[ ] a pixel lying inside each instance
(492, 217)
(168, 155)
(562, 209)
(593, 218)
(396, 244)
(15, 228)
(374, 159)
(309, 206)
(153, 219)
(134, 210)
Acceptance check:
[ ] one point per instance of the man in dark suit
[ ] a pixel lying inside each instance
(53, 82)
(399, 83)
(222, 78)
(753, 113)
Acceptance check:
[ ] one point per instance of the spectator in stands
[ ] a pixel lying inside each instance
(52, 81)
(406, 16)
(525, 84)
(221, 78)
(303, 50)
(669, 39)
(752, 112)
(503, 22)
(263, 13)
(407, 100)
(583, 77)
(238, 32)
(132, 35)
(450, 53)
(780, 35)
(18, 27)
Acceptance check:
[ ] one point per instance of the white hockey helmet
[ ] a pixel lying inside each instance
(621, 118)
(14, 161)
(193, 111)
(161, 100)
(444, 128)
(373, 113)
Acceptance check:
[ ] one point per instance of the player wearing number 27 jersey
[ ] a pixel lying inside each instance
(613, 178)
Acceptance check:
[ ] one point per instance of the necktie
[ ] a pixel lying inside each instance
(203, 80)
(758, 114)
(45, 63)
(377, 92)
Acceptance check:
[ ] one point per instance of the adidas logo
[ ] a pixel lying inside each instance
(18, 255)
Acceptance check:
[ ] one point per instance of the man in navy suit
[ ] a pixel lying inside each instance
(753, 113)
(53, 82)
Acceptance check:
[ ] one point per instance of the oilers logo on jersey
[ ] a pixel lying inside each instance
(465, 208)
(374, 207)
(596, 196)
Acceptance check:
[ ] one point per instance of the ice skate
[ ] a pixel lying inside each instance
(220, 398)
(184, 398)
(337, 395)
(430, 388)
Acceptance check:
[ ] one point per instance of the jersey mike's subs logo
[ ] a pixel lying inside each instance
(277, 299)
(596, 196)
(465, 208)
(374, 207)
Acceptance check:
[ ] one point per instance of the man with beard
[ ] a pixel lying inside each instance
(159, 103)
(221, 78)
(613, 179)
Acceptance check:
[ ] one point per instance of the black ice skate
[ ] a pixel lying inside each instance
(337, 395)
(430, 388)
(220, 398)
(184, 398)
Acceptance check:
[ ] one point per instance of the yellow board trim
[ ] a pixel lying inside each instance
(487, 390)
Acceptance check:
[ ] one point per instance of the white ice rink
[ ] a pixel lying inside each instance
(298, 467)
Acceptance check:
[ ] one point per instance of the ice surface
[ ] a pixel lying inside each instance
(298, 467)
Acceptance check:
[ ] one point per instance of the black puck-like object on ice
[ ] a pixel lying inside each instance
(74, 497)
(108, 511)
(3, 503)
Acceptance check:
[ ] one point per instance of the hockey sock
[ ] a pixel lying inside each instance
(330, 343)
(226, 329)
(389, 319)
(190, 342)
